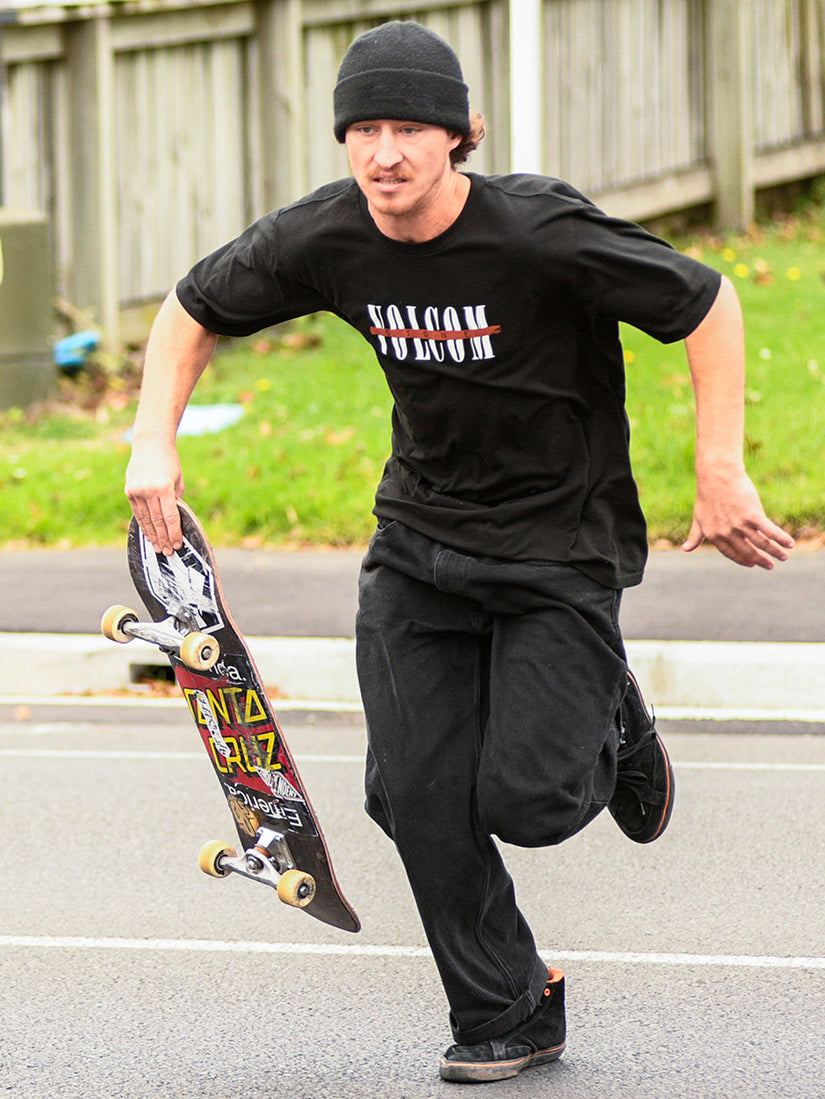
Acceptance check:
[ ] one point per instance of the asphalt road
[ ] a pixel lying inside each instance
(699, 596)
(695, 966)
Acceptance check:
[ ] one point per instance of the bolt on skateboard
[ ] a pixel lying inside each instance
(282, 842)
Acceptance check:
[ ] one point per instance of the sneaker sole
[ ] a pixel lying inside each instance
(486, 1072)
(641, 835)
(671, 780)
(668, 809)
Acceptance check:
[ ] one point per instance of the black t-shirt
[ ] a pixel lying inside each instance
(499, 340)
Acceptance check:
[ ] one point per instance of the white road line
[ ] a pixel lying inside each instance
(79, 753)
(95, 753)
(748, 961)
(366, 950)
(799, 715)
(740, 713)
(750, 766)
(279, 704)
(137, 754)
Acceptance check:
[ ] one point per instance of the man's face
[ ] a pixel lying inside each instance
(403, 168)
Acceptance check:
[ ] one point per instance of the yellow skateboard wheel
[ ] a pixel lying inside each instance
(210, 856)
(199, 651)
(296, 888)
(113, 621)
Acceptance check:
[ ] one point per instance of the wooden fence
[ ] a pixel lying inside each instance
(150, 131)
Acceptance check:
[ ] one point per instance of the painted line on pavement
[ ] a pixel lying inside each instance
(95, 753)
(207, 946)
(722, 765)
(290, 705)
(739, 713)
(115, 754)
(279, 704)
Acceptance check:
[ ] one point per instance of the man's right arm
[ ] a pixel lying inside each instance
(177, 353)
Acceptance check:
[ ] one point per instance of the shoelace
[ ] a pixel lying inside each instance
(634, 779)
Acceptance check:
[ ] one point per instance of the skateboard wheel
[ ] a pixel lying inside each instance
(199, 651)
(211, 856)
(113, 621)
(296, 888)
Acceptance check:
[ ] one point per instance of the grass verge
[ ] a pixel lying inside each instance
(301, 465)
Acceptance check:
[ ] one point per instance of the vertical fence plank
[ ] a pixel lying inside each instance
(729, 75)
(280, 101)
(91, 143)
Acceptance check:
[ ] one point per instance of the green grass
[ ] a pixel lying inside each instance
(302, 464)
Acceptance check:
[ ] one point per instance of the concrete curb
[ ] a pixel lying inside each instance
(696, 678)
(57, 664)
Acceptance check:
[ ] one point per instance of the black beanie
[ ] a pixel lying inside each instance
(403, 71)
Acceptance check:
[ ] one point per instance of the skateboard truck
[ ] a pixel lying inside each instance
(175, 634)
(268, 860)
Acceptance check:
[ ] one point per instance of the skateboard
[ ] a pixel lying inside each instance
(282, 844)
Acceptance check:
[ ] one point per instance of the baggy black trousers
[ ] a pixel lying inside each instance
(490, 690)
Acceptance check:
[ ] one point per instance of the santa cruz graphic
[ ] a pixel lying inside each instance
(433, 334)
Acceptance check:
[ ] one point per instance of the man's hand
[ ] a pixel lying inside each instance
(154, 484)
(729, 514)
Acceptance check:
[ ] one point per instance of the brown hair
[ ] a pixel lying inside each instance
(478, 128)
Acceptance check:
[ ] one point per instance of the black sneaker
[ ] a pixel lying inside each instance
(539, 1039)
(643, 798)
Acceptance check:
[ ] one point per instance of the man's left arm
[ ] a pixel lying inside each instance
(728, 512)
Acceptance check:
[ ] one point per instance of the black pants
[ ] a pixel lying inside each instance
(490, 690)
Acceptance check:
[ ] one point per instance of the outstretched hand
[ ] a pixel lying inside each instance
(729, 514)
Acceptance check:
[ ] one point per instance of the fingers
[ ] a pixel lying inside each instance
(163, 526)
(746, 553)
(153, 488)
(729, 515)
(694, 539)
(761, 543)
(770, 539)
(158, 517)
(756, 543)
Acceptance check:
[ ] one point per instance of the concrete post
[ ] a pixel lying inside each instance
(27, 370)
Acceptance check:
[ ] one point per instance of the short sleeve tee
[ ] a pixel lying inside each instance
(499, 340)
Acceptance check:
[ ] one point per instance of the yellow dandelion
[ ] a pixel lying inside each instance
(794, 274)
(263, 384)
(629, 357)
(741, 270)
(728, 255)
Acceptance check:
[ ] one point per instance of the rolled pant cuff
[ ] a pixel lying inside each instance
(516, 1013)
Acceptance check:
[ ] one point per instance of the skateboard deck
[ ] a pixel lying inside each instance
(281, 839)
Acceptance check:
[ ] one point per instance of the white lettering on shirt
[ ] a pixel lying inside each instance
(439, 330)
